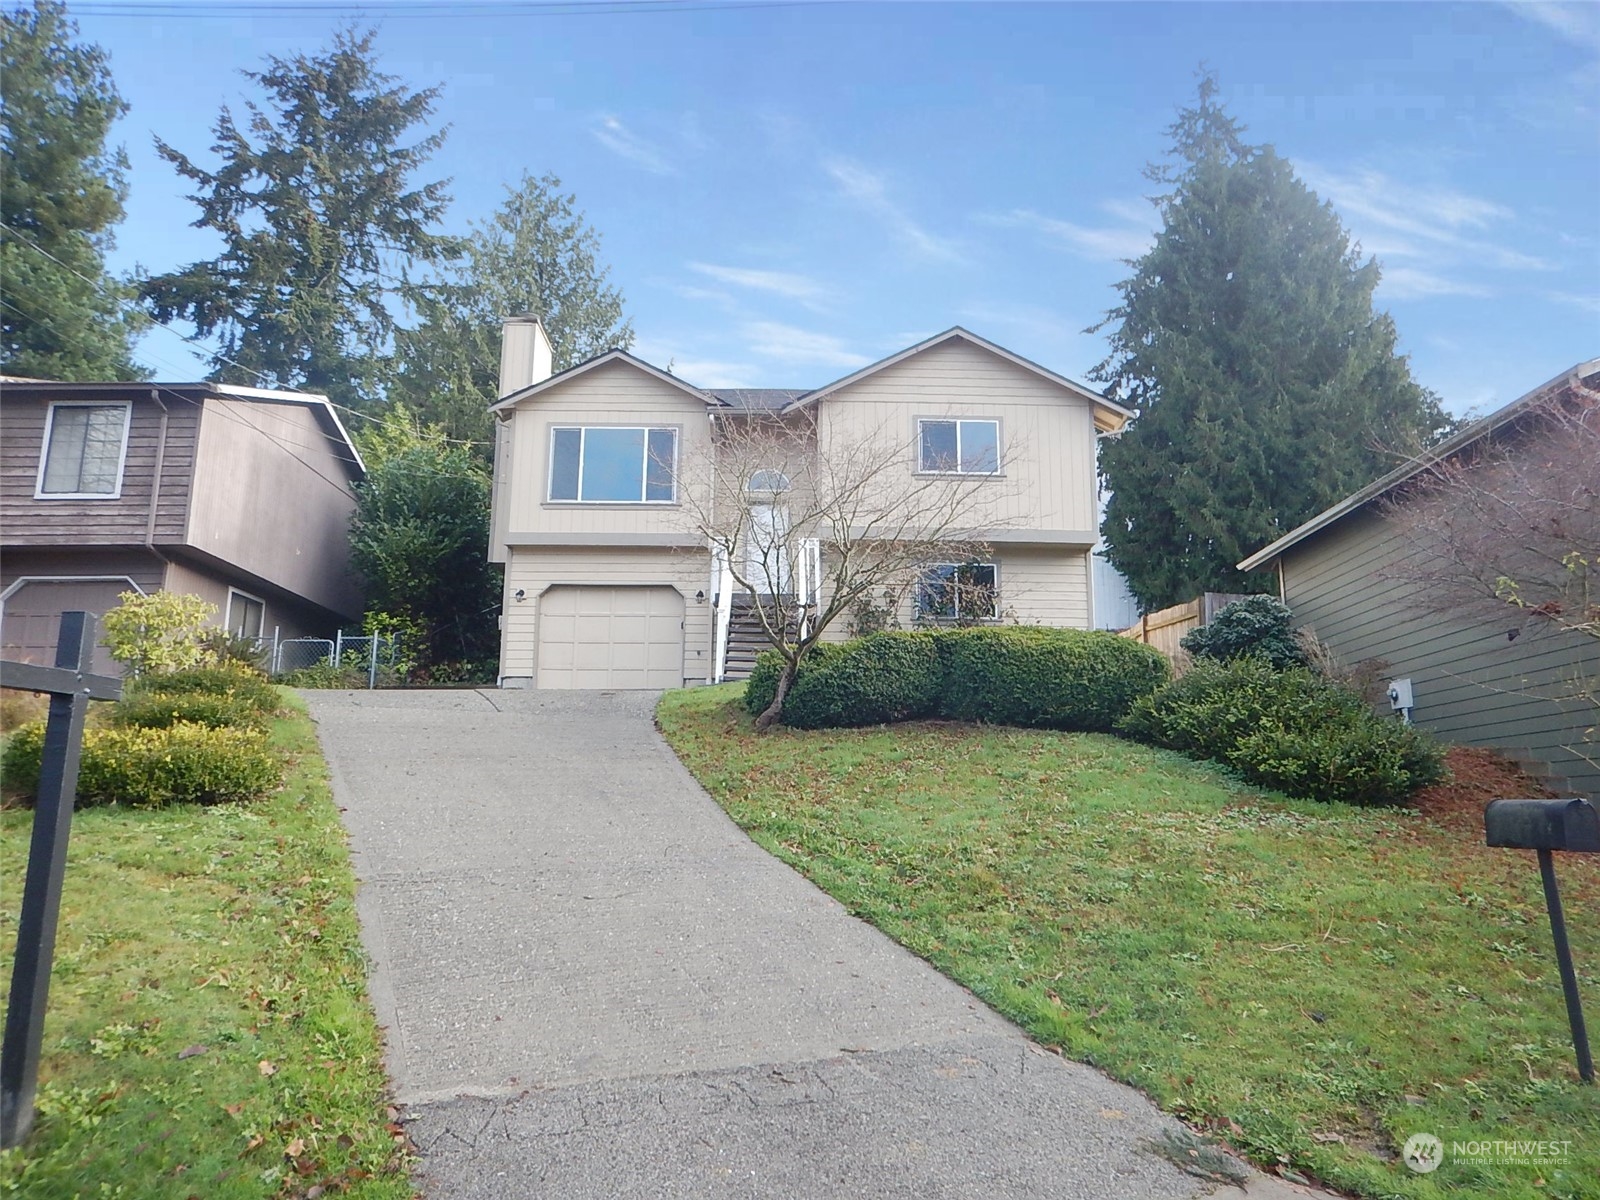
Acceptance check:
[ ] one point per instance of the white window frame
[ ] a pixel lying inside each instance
(227, 623)
(644, 465)
(44, 450)
(999, 463)
(927, 568)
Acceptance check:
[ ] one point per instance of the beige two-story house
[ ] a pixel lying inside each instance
(602, 471)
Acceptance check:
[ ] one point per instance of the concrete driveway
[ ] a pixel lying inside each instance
(593, 984)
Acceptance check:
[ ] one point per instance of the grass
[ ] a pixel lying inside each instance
(1312, 983)
(209, 1032)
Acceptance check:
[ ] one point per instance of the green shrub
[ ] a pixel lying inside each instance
(873, 680)
(1258, 626)
(1045, 678)
(762, 685)
(163, 631)
(234, 682)
(142, 710)
(1290, 730)
(185, 763)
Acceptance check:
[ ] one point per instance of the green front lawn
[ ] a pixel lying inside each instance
(209, 1032)
(1312, 983)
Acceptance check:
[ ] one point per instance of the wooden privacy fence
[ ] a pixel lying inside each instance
(1165, 629)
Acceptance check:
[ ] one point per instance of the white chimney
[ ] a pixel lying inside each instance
(525, 355)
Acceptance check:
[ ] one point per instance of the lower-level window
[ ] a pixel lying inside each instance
(958, 592)
(245, 615)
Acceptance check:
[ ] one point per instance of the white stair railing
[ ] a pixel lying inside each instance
(808, 582)
(722, 612)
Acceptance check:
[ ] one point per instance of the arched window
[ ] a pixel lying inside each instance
(767, 483)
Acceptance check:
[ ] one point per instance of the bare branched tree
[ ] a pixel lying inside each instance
(1508, 529)
(769, 486)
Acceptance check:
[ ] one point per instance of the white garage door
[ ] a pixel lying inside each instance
(611, 637)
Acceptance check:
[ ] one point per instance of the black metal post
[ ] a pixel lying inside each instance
(1569, 977)
(41, 891)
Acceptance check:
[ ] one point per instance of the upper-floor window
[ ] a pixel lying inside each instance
(614, 464)
(84, 448)
(959, 447)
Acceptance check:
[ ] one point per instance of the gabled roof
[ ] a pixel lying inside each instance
(600, 360)
(320, 406)
(1578, 376)
(1107, 414)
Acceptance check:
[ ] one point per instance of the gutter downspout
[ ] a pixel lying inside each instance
(155, 483)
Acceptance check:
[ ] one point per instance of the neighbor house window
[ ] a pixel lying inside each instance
(246, 615)
(959, 447)
(619, 465)
(84, 445)
(958, 592)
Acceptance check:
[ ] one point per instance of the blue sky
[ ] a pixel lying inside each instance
(789, 192)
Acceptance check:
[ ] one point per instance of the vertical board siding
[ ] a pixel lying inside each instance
(26, 521)
(1473, 683)
(273, 497)
(534, 570)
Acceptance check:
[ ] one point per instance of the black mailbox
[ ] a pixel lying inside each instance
(1571, 825)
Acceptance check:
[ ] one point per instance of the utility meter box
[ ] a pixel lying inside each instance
(1400, 694)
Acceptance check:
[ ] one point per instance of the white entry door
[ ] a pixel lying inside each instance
(766, 550)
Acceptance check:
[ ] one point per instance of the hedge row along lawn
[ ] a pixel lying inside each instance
(209, 1032)
(1312, 983)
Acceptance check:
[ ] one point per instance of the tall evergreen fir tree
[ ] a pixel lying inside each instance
(1266, 386)
(536, 254)
(62, 316)
(321, 219)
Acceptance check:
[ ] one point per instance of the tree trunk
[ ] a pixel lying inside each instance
(769, 716)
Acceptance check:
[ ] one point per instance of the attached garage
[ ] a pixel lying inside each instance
(610, 637)
(32, 618)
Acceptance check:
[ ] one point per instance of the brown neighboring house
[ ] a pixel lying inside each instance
(239, 495)
(1504, 684)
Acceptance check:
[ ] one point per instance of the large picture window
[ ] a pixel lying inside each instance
(84, 445)
(958, 592)
(614, 464)
(959, 447)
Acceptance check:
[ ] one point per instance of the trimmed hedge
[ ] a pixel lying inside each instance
(185, 763)
(1015, 675)
(1045, 678)
(162, 710)
(1290, 730)
(1259, 626)
(236, 682)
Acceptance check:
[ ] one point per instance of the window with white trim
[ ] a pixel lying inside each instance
(958, 447)
(958, 592)
(246, 614)
(84, 448)
(611, 464)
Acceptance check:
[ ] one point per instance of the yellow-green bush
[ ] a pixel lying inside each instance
(184, 763)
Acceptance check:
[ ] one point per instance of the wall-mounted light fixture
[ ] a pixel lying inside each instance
(519, 594)
(700, 597)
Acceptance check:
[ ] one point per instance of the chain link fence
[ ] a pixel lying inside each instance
(344, 661)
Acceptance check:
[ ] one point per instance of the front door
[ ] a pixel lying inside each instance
(766, 550)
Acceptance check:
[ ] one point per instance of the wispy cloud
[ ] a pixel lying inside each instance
(1129, 237)
(1433, 221)
(1588, 301)
(1414, 283)
(870, 192)
(1037, 324)
(799, 288)
(1577, 23)
(623, 142)
(785, 343)
(710, 373)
